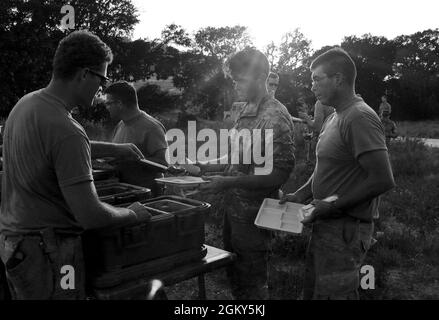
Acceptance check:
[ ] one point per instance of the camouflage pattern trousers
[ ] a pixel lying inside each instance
(336, 251)
(248, 275)
(34, 266)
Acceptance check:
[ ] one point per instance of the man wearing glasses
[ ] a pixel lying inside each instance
(353, 164)
(48, 195)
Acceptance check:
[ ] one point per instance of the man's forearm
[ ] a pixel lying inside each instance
(209, 166)
(160, 157)
(276, 178)
(100, 149)
(101, 215)
(363, 192)
(305, 191)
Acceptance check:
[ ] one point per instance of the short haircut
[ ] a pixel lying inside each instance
(124, 92)
(80, 49)
(336, 60)
(273, 75)
(247, 62)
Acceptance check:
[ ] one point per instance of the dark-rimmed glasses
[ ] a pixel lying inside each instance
(104, 79)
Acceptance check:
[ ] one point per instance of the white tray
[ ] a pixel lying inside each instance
(282, 217)
(183, 181)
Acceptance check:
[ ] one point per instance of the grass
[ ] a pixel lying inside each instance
(406, 256)
(419, 129)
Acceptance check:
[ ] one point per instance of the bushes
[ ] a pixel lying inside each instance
(152, 99)
(410, 158)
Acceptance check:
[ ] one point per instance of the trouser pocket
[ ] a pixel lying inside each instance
(29, 272)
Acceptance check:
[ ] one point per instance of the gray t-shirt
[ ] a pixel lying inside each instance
(344, 137)
(149, 135)
(44, 149)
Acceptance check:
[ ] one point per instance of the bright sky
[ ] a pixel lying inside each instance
(324, 22)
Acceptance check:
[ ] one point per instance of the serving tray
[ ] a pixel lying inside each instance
(282, 217)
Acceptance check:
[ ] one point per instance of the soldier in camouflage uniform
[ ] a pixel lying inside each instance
(352, 163)
(243, 186)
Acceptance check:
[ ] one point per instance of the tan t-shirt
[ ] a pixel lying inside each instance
(344, 137)
(44, 149)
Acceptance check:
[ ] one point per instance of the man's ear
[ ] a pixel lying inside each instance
(81, 74)
(339, 79)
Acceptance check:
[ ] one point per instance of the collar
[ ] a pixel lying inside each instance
(252, 110)
(345, 105)
(56, 99)
(133, 118)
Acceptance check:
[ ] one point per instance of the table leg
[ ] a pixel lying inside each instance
(201, 287)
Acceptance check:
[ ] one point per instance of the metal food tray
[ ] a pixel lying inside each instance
(183, 181)
(282, 217)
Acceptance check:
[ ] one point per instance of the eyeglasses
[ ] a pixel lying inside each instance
(104, 79)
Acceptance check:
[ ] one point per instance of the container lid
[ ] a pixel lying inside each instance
(168, 206)
(182, 181)
(283, 217)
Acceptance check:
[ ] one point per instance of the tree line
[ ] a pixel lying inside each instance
(405, 68)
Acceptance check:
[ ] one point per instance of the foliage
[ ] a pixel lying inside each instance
(30, 32)
(405, 68)
(152, 99)
(223, 41)
(373, 57)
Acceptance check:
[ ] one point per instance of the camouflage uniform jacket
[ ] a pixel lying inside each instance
(269, 114)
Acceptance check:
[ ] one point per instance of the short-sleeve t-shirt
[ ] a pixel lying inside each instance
(344, 137)
(44, 149)
(149, 135)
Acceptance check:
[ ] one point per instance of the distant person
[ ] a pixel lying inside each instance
(384, 107)
(272, 84)
(321, 112)
(353, 164)
(48, 194)
(137, 127)
(389, 127)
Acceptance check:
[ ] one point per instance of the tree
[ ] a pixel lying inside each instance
(152, 99)
(271, 51)
(106, 18)
(30, 33)
(293, 51)
(373, 57)
(133, 60)
(415, 84)
(176, 34)
(223, 41)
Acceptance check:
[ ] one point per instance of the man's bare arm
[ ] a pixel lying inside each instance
(300, 195)
(213, 165)
(160, 156)
(379, 180)
(91, 213)
(120, 151)
(276, 178)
